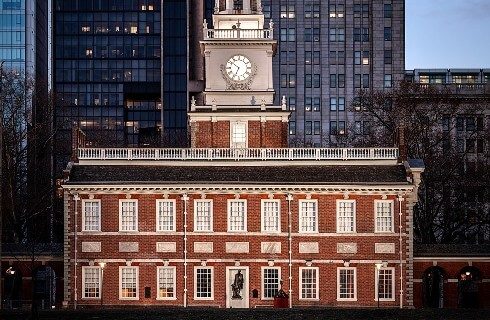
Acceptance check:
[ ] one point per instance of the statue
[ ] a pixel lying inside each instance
(237, 285)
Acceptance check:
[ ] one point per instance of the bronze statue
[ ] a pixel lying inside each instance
(237, 285)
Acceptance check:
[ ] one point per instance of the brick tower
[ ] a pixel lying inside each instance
(238, 97)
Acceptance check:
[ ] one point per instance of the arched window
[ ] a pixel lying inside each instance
(433, 289)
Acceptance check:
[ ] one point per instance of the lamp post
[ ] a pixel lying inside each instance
(102, 266)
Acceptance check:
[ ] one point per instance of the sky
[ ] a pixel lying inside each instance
(447, 34)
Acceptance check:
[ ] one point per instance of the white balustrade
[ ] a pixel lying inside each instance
(261, 154)
(238, 34)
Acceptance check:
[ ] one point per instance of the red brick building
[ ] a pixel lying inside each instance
(224, 222)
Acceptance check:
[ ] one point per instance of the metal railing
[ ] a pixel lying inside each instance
(459, 87)
(261, 154)
(238, 34)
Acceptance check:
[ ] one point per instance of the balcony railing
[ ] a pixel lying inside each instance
(247, 154)
(232, 34)
(459, 87)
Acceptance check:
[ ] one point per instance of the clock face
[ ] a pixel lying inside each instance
(238, 68)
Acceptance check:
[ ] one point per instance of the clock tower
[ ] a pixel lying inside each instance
(238, 110)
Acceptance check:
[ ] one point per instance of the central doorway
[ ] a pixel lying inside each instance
(237, 292)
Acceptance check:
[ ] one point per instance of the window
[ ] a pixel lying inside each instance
(384, 215)
(341, 128)
(357, 34)
(91, 282)
(91, 215)
(292, 80)
(346, 284)
(365, 10)
(357, 127)
(316, 104)
(287, 11)
(316, 10)
(292, 127)
(292, 103)
(470, 124)
(237, 215)
(346, 216)
(308, 103)
(337, 35)
(333, 81)
(128, 283)
(308, 281)
(284, 80)
(165, 215)
(128, 215)
(266, 9)
(308, 216)
(239, 134)
(341, 104)
(308, 80)
(203, 215)
(308, 128)
(271, 221)
(357, 57)
(316, 128)
(316, 57)
(388, 57)
(288, 34)
(460, 124)
(333, 127)
(166, 283)
(316, 81)
(388, 81)
(365, 58)
(203, 286)
(270, 282)
(357, 80)
(336, 11)
(388, 11)
(341, 79)
(385, 284)
(365, 34)
(333, 104)
(365, 80)
(387, 34)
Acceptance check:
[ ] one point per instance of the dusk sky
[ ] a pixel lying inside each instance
(447, 34)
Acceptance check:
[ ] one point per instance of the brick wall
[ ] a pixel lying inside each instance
(327, 259)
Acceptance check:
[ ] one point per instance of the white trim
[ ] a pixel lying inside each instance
(262, 202)
(354, 208)
(376, 275)
(120, 214)
(137, 283)
(300, 282)
(157, 208)
(262, 281)
(392, 202)
(83, 214)
(83, 282)
(229, 201)
(317, 220)
(210, 201)
(174, 285)
(212, 282)
(338, 284)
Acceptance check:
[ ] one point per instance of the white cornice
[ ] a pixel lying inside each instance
(249, 188)
(234, 163)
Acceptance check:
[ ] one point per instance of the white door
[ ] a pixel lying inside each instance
(238, 134)
(237, 291)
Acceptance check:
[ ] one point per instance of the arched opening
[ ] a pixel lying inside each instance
(12, 288)
(468, 286)
(44, 288)
(433, 287)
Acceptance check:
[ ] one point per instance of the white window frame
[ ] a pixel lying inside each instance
(338, 284)
(84, 225)
(392, 284)
(174, 274)
(339, 201)
(195, 282)
(300, 282)
(121, 201)
(376, 229)
(262, 287)
(211, 221)
(233, 143)
(244, 201)
(262, 215)
(84, 284)
(157, 207)
(137, 283)
(300, 202)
